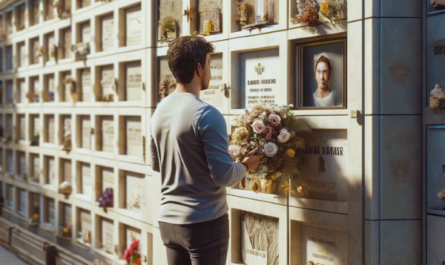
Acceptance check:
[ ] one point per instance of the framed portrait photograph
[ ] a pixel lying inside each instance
(321, 75)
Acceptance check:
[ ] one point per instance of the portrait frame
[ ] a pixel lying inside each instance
(300, 74)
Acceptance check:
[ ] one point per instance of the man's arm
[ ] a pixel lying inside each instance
(213, 132)
(154, 155)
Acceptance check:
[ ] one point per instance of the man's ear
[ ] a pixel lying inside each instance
(199, 70)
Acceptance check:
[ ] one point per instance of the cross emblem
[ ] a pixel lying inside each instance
(259, 69)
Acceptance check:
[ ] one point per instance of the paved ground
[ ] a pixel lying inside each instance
(8, 258)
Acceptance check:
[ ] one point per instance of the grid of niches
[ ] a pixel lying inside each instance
(38, 99)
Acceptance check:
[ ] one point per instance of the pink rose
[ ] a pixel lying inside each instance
(270, 149)
(284, 136)
(268, 131)
(258, 126)
(274, 120)
(234, 150)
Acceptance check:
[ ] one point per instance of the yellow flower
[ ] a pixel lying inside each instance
(325, 7)
(300, 189)
(241, 134)
(65, 230)
(290, 152)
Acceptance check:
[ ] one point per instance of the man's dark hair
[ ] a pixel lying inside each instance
(184, 54)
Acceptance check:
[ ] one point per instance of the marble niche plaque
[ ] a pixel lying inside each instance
(67, 216)
(9, 56)
(34, 53)
(51, 129)
(51, 212)
(134, 26)
(9, 126)
(83, 3)
(86, 179)
(132, 234)
(21, 87)
(22, 165)
(35, 168)
(107, 80)
(85, 138)
(10, 92)
(213, 95)
(260, 83)
(107, 178)
(167, 82)
(85, 82)
(67, 39)
(108, 236)
(170, 22)
(65, 95)
(85, 32)
(23, 57)
(10, 196)
(22, 203)
(323, 246)
(35, 97)
(50, 88)
(107, 31)
(135, 192)
(35, 123)
(49, 10)
(85, 223)
(50, 171)
(35, 17)
(10, 161)
(107, 140)
(50, 41)
(133, 136)
(67, 173)
(324, 174)
(133, 77)
(22, 127)
(210, 10)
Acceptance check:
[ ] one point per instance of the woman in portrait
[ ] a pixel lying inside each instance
(323, 95)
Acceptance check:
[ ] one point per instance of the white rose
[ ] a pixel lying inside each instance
(258, 126)
(284, 136)
(270, 149)
(234, 150)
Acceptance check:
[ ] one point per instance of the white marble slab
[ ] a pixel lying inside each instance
(213, 95)
(51, 171)
(22, 202)
(135, 192)
(22, 127)
(67, 170)
(85, 133)
(133, 91)
(86, 86)
(51, 212)
(107, 236)
(86, 180)
(67, 216)
(131, 234)
(107, 134)
(85, 32)
(51, 129)
(134, 26)
(107, 80)
(107, 178)
(133, 136)
(108, 35)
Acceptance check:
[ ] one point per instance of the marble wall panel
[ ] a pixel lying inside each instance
(435, 53)
(435, 236)
(401, 242)
(397, 8)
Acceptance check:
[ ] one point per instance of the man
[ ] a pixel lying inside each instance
(189, 148)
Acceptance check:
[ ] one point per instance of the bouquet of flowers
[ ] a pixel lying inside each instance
(308, 14)
(276, 133)
(132, 254)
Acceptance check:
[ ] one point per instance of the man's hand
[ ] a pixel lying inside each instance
(252, 161)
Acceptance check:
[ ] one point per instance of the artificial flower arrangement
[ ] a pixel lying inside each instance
(311, 13)
(441, 196)
(132, 254)
(276, 133)
(106, 200)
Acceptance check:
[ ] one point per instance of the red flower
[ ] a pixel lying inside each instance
(127, 255)
(134, 244)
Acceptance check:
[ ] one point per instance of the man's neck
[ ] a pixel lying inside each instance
(191, 87)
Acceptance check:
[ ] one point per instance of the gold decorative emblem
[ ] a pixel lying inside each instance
(259, 69)
(321, 166)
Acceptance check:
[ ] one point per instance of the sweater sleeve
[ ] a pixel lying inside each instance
(213, 132)
(154, 155)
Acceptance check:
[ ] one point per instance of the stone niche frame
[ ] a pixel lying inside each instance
(302, 221)
(9, 92)
(334, 123)
(49, 216)
(35, 127)
(35, 166)
(10, 164)
(271, 41)
(9, 127)
(61, 128)
(49, 41)
(34, 12)
(130, 203)
(66, 170)
(105, 143)
(22, 56)
(84, 34)
(66, 216)
(177, 15)
(65, 42)
(237, 205)
(34, 89)
(435, 170)
(146, 239)
(103, 89)
(127, 152)
(105, 237)
(21, 202)
(49, 87)
(79, 226)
